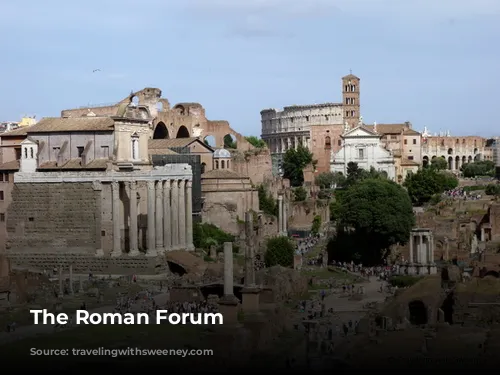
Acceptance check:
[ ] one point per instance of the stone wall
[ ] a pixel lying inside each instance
(303, 213)
(255, 164)
(52, 217)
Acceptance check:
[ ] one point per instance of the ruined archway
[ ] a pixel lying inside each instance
(176, 269)
(464, 160)
(230, 141)
(434, 157)
(447, 307)
(209, 140)
(183, 132)
(469, 159)
(161, 131)
(425, 161)
(418, 313)
(457, 162)
(492, 273)
(450, 162)
(450, 151)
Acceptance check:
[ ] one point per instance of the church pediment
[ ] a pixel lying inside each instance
(360, 131)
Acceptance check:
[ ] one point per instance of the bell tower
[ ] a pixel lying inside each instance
(350, 100)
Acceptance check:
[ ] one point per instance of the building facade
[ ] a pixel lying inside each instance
(317, 127)
(457, 150)
(364, 147)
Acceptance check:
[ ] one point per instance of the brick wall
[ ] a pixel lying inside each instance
(52, 217)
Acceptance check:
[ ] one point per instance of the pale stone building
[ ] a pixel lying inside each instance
(87, 195)
(457, 150)
(364, 147)
(317, 127)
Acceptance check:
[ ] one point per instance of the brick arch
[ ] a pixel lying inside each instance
(161, 131)
(182, 132)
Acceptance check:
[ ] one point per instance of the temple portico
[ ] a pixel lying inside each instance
(421, 260)
(140, 212)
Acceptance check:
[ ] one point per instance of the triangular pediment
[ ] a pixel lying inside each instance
(28, 141)
(360, 131)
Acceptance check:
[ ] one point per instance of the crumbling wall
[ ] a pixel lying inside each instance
(286, 283)
(52, 218)
(255, 163)
(303, 213)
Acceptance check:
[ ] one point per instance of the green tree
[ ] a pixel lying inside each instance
(439, 163)
(300, 194)
(427, 182)
(326, 180)
(294, 162)
(374, 214)
(479, 168)
(229, 142)
(492, 189)
(316, 225)
(280, 251)
(256, 142)
(206, 235)
(355, 174)
(267, 203)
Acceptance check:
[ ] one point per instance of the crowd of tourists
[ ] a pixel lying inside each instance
(460, 193)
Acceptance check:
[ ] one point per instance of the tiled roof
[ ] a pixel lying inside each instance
(169, 143)
(76, 164)
(161, 151)
(411, 132)
(10, 166)
(17, 132)
(221, 174)
(408, 162)
(71, 124)
(389, 128)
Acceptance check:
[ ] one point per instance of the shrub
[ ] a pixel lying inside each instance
(316, 224)
(267, 203)
(280, 251)
(206, 235)
(492, 189)
(300, 194)
(403, 281)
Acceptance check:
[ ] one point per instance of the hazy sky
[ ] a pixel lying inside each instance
(432, 62)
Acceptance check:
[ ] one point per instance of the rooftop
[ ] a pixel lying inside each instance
(174, 142)
(72, 124)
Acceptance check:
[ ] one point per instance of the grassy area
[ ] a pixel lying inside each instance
(404, 281)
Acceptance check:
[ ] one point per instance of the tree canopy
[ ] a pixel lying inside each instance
(229, 142)
(355, 174)
(373, 214)
(256, 142)
(280, 251)
(294, 162)
(427, 182)
(326, 180)
(439, 164)
(479, 168)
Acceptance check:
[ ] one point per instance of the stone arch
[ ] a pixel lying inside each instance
(434, 157)
(418, 313)
(203, 167)
(492, 273)
(328, 142)
(477, 157)
(230, 141)
(425, 161)
(457, 162)
(210, 141)
(161, 131)
(450, 151)
(183, 132)
(180, 109)
(464, 160)
(469, 159)
(475, 151)
(450, 162)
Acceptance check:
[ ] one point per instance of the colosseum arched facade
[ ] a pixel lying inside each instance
(457, 150)
(317, 127)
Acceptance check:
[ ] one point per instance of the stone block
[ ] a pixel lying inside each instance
(250, 299)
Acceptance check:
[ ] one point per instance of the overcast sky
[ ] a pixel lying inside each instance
(432, 62)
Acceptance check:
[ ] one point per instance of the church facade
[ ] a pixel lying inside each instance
(364, 147)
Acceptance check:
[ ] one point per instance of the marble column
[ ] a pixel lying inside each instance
(285, 218)
(174, 212)
(412, 242)
(189, 215)
(151, 219)
(280, 215)
(182, 214)
(159, 217)
(228, 269)
(249, 256)
(167, 226)
(115, 188)
(133, 229)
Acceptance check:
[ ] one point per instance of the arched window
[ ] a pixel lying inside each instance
(222, 164)
(227, 164)
(328, 142)
(216, 164)
(32, 153)
(203, 167)
(26, 152)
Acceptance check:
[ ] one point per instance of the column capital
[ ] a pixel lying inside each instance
(159, 189)
(189, 183)
(166, 184)
(115, 185)
(181, 184)
(132, 185)
(151, 184)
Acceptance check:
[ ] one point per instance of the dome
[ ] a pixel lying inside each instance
(222, 153)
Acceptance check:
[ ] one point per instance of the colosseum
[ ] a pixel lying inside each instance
(457, 150)
(316, 126)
